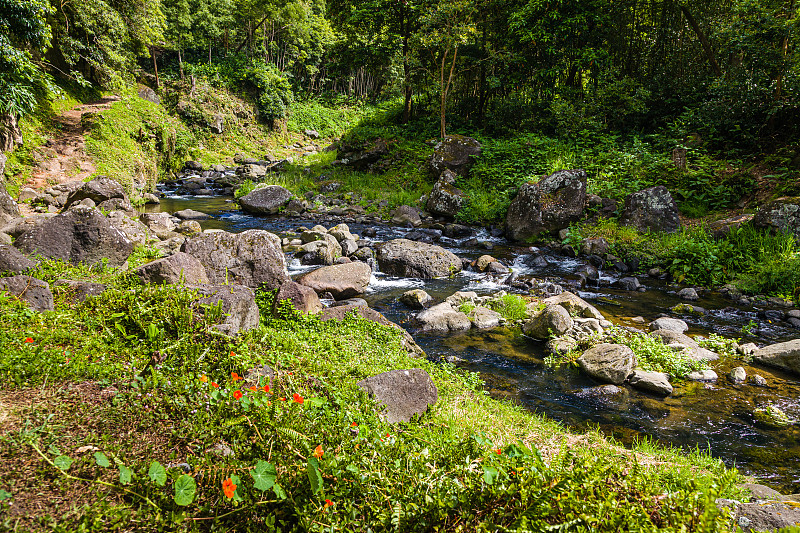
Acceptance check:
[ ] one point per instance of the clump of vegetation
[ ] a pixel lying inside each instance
(653, 355)
(510, 306)
(721, 345)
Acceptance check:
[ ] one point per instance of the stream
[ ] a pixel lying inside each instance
(715, 417)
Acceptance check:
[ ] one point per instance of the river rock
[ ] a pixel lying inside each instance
(575, 305)
(629, 284)
(266, 200)
(98, 190)
(483, 261)
(342, 281)
(547, 206)
(401, 257)
(29, 289)
(8, 207)
(765, 516)
(784, 355)
(484, 318)
(445, 198)
(113, 204)
(552, 322)
(79, 235)
(341, 232)
(610, 363)
(442, 318)
(702, 375)
(174, 269)
(657, 382)
(302, 298)
(652, 209)
(758, 381)
(738, 375)
(367, 313)
(191, 214)
(403, 393)
(688, 293)
(416, 298)
(13, 261)
(669, 324)
(251, 258)
(456, 153)
(405, 214)
(238, 303)
(161, 224)
(781, 215)
(324, 251)
(772, 416)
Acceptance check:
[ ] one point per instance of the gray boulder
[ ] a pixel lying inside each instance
(79, 235)
(342, 233)
(445, 198)
(442, 318)
(416, 298)
(784, 355)
(31, 290)
(456, 153)
(484, 318)
(250, 258)
(18, 226)
(765, 516)
(669, 324)
(547, 206)
(342, 281)
(98, 190)
(629, 284)
(657, 382)
(781, 215)
(174, 269)
(238, 304)
(652, 209)
(11, 260)
(8, 207)
(611, 363)
(265, 201)
(554, 321)
(402, 257)
(688, 293)
(303, 299)
(191, 214)
(322, 252)
(161, 224)
(575, 305)
(135, 231)
(405, 214)
(403, 393)
(702, 375)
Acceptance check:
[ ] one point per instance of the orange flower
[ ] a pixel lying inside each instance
(228, 487)
(204, 378)
(233, 354)
(297, 398)
(266, 388)
(282, 399)
(28, 339)
(214, 385)
(254, 388)
(237, 394)
(352, 425)
(328, 503)
(318, 451)
(498, 451)
(235, 376)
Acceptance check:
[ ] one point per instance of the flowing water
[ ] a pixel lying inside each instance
(712, 416)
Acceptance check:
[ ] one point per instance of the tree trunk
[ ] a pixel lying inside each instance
(784, 51)
(155, 66)
(180, 64)
(445, 88)
(10, 134)
(703, 40)
(209, 52)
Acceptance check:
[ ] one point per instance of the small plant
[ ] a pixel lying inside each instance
(244, 189)
(510, 306)
(466, 307)
(750, 329)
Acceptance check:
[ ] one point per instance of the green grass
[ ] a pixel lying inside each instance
(510, 306)
(132, 375)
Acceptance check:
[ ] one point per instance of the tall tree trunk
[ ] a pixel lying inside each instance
(155, 66)
(406, 69)
(445, 88)
(180, 63)
(703, 40)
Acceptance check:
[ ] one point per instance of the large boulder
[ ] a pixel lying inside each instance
(652, 209)
(456, 153)
(238, 305)
(403, 393)
(550, 205)
(8, 207)
(670, 324)
(445, 198)
(324, 251)
(406, 215)
(781, 215)
(339, 313)
(31, 290)
(266, 200)
(784, 355)
(401, 257)
(161, 224)
(137, 233)
(442, 318)
(575, 305)
(177, 268)
(656, 382)
(552, 322)
(416, 298)
(98, 190)
(342, 281)
(11, 260)
(610, 363)
(79, 235)
(250, 258)
(302, 298)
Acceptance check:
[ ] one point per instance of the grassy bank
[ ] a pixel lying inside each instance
(128, 411)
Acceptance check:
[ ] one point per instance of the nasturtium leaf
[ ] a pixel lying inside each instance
(314, 477)
(237, 495)
(157, 473)
(185, 489)
(264, 475)
(490, 473)
(101, 459)
(62, 462)
(279, 492)
(125, 474)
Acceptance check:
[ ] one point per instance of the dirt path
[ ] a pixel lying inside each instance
(64, 157)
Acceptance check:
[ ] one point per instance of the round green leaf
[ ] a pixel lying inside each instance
(157, 473)
(185, 489)
(264, 475)
(125, 474)
(101, 459)
(62, 462)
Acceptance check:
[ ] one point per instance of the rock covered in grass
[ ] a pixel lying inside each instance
(552, 322)
(442, 318)
(238, 306)
(367, 313)
(416, 298)
(402, 257)
(250, 258)
(176, 268)
(781, 215)
(13, 261)
(98, 190)
(784, 355)
(29, 289)
(342, 281)
(669, 324)
(656, 382)
(609, 363)
(772, 416)
(651, 209)
(302, 298)
(265, 200)
(79, 235)
(403, 393)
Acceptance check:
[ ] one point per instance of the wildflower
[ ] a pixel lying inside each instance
(266, 388)
(498, 451)
(328, 503)
(283, 399)
(204, 378)
(297, 398)
(235, 376)
(28, 340)
(233, 354)
(237, 394)
(318, 451)
(228, 487)
(254, 388)
(214, 385)
(353, 424)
